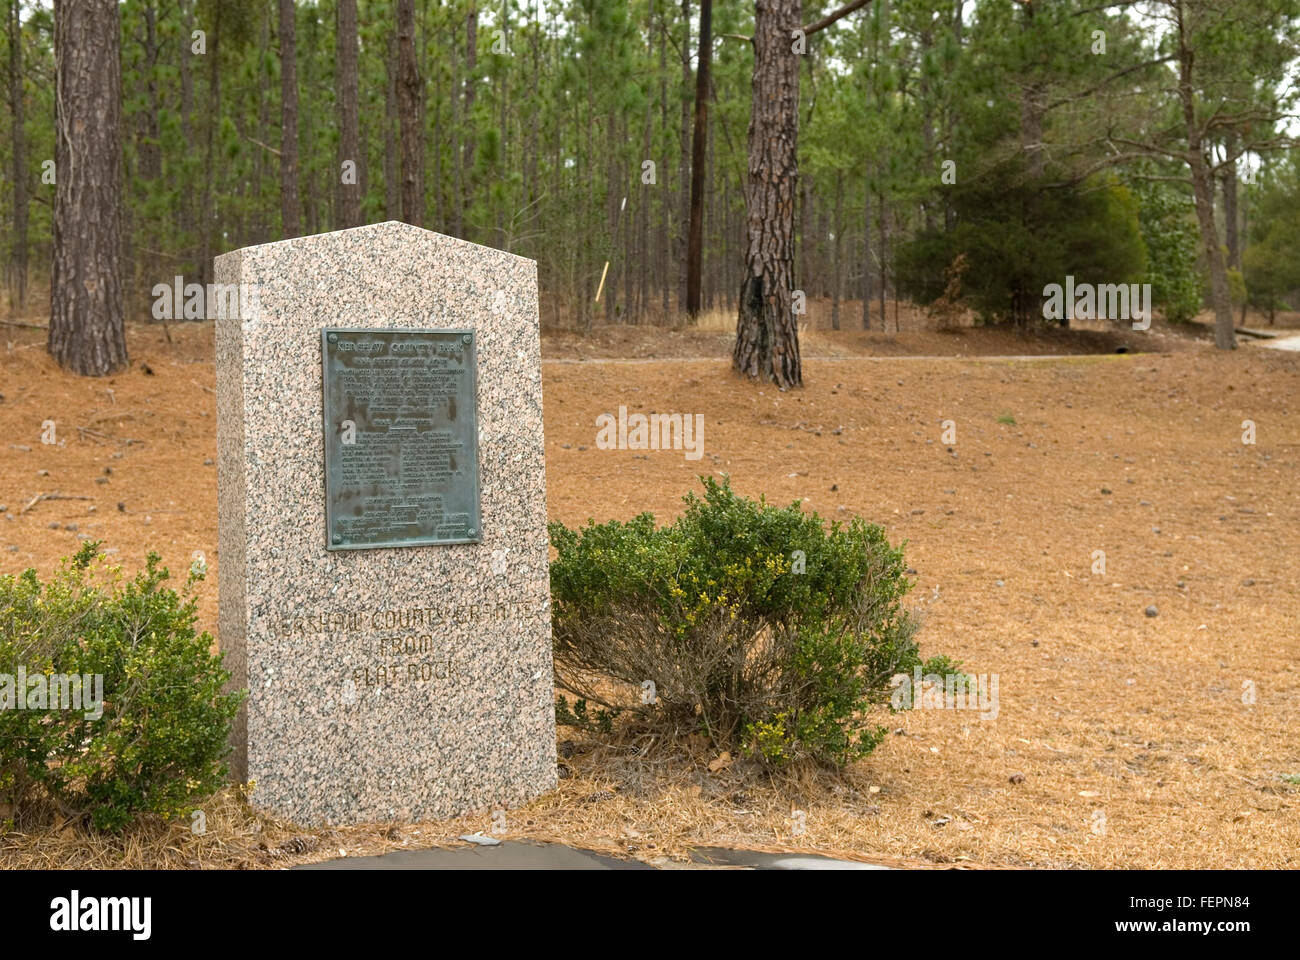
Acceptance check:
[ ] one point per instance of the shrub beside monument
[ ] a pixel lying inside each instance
(758, 626)
(122, 710)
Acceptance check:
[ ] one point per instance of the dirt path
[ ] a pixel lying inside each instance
(1291, 343)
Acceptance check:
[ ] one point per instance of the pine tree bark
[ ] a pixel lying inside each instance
(1220, 298)
(205, 227)
(150, 146)
(392, 179)
(439, 222)
(767, 341)
(837, 290)
(86, 321)
(612, 211)
(458, 182)
(290, 224)
(1230, 215)
(408, 113)
(665, 208)
(699, 143)
(471, 94)
(884, 252)
(805, 238)
(684, 163)
(645, 207)
(348, 200)
(185, 218)
(1203, 194)
(866, 257)
(503, 127)
(262, 231)
(18, 169)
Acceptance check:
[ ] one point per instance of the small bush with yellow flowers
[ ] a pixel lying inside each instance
(759, 626)
(154, 741)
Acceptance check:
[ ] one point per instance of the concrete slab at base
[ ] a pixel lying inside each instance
(506, 856)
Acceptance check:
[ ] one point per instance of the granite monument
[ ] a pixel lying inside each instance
(383, 583)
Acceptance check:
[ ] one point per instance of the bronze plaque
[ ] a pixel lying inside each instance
(401, 438)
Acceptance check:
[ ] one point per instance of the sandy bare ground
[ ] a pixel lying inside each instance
(1120, 740)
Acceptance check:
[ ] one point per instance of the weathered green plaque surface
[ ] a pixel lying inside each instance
(401, 438)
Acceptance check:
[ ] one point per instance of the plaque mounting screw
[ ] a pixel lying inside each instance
(337, 539)
(471, 532)
(466, 338)
(333, 338)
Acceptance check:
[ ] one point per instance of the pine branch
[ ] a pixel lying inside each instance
(834, 15)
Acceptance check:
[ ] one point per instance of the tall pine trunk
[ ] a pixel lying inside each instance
(18, 253)
(665, 207)
(1203, 193)
(684, 162)
(392, 179)
(150, 145)
(467, 114)
(408, 113)
(349, 194)
(262, 228)
(767, 341)
(206, 210)
(185, 219)
(408, 116)
(86, 328)
(290, 225)
(884, 252)
(866, 257)
(837, 287)
(699, 143)
(1230, 215)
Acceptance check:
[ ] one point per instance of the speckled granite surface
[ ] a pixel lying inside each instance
(389, 684)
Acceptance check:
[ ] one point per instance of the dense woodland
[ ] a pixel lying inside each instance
(936, 151)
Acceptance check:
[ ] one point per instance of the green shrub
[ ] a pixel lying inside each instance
(1018, 236)
(1172, 239)
(753, 624)
(1236, 287)
(160, 742)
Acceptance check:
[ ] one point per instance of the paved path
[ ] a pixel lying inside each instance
(1291, 343)
(754, 860)
(504, 856)
(511, 855)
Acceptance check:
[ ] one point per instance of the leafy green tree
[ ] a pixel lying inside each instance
(1270, 262)
(1169, 234)
(1017, 238)
(1231, 73)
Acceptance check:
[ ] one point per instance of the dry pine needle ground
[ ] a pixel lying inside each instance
(1121, 740)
